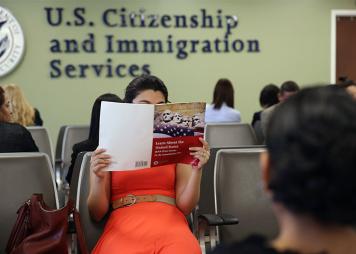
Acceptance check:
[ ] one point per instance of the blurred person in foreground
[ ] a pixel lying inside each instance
(309, 170)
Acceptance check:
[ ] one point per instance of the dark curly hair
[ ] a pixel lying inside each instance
(144, 82)
(311, 140)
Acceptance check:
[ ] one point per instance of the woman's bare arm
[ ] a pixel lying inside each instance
(99, 189)
(188, 178)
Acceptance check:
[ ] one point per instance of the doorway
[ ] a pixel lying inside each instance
(343, 45)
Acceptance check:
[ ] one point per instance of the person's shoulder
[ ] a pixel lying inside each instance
(232, 113)
(84, 146)
(14, 127)
(266, 113)
(209, 106)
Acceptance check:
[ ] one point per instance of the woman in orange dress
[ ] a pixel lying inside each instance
(138, 225)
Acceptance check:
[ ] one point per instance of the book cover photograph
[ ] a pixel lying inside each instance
(143, 135)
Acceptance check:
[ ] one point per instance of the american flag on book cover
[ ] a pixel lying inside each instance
(172, 130)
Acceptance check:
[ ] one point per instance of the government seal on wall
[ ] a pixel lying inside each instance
(12, 43)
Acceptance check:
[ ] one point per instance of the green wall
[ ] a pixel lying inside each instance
(294, 39)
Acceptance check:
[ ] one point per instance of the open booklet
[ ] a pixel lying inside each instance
(144, 135)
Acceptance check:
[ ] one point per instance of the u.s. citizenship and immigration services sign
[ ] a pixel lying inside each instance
(12, 42)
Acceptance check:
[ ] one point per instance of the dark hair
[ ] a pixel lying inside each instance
(2, 96)
(3, 117)
(95, 115)
(289, 86)
(347, 83)
(311, 140)
(144, 82)
(269, 95)
(223, 93)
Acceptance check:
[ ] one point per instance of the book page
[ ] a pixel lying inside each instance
(126, 132)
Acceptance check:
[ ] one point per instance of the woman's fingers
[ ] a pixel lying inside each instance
(98, 151)
(205, 144)
(200, 153)
(99, 161)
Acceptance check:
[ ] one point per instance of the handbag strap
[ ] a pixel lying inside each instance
(21, 227)
(78, 227)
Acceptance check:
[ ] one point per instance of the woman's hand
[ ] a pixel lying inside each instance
(99, 161)
(202, 154)
(99, 189)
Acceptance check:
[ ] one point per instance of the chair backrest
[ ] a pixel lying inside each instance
(68, 136)
(230, 134)
(59, 144)
(21, 175)
(92, 230)
(206, 201)
(75, 176)
(42, 140)
(239, 191)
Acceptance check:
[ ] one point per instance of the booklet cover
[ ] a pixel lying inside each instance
(145, 135)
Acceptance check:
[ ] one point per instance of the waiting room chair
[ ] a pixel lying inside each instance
(21, 175)
(205, 214)
(41, 137)
(230, 134)
(67, 137)
(207, 202)
(239, 191)
(92, 230)
(75, 176)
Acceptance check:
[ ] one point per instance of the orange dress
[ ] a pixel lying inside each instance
(147, 227)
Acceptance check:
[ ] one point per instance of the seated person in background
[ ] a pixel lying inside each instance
(288, 88)
(310, 172)
(222, 107)
(350, 87)
(13, 137)
(22, 112)
(268, 97)
(93, 140)
(155, 222)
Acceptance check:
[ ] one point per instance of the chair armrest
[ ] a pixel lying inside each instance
(217, 219)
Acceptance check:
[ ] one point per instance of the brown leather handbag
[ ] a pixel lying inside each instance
(40, 229)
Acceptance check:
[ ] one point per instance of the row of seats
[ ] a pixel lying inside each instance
(217, 135)
(67, 137)
(236, 183)
(240, 135)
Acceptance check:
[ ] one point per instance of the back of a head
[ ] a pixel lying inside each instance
(269, 95)
(22, 112)
(142, 83)
(95, 114)
(311, 141)
(289, 86)
(223, 93)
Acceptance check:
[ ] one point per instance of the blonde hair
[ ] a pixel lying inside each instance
(22, 112)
